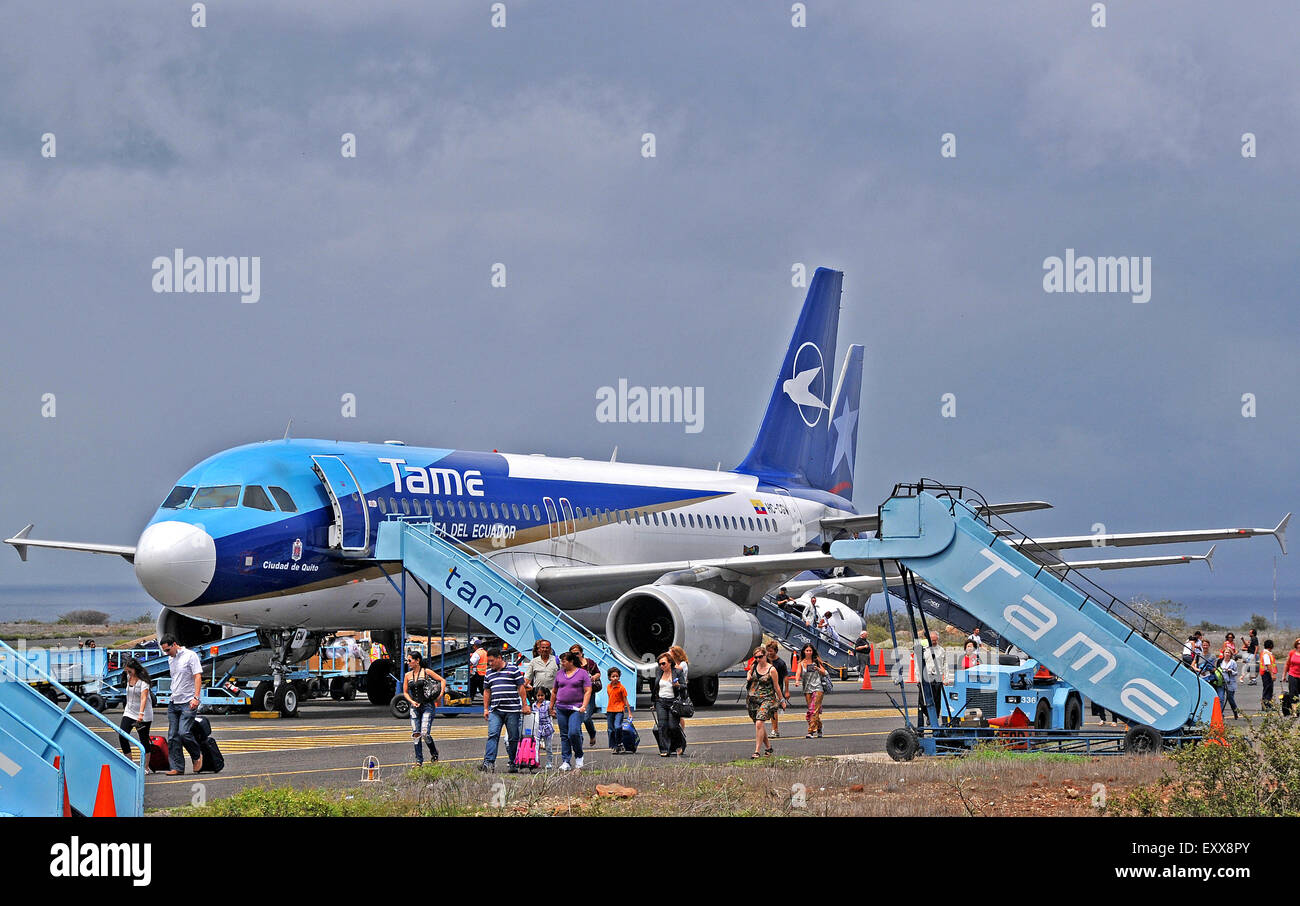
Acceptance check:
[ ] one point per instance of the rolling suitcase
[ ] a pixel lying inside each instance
(158, 758)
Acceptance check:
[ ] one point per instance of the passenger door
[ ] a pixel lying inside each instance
(350, 532)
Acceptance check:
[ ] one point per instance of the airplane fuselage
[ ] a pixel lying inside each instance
(281, 533)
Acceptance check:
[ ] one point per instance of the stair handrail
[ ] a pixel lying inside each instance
(1002, 529)
(73, 698)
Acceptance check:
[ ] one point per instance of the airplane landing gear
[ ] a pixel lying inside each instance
(280, 693)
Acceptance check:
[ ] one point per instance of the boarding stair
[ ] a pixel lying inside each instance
(793, 633)
(487, 594)
(44, 750)
(157, 665)
(1112, 652)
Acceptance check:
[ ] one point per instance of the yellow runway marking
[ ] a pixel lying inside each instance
(312, 737)
(404, 765)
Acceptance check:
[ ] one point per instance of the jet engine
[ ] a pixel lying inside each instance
(716, 633)
(189, 632)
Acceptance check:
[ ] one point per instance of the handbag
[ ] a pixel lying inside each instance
(681, 706)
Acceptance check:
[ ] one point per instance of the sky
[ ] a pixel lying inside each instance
(774, 146)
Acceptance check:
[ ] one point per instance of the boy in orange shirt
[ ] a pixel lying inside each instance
(615, 709)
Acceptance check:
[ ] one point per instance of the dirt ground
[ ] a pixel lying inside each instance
(836, 786)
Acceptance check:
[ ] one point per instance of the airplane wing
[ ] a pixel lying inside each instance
(21, 542)
(1141, 539)
(869, 522)
(872, 584)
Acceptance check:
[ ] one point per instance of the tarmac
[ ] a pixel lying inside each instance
(327, 743)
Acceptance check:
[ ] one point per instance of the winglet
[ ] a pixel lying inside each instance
(17, 540)
(1209, 557)
(1280, 532)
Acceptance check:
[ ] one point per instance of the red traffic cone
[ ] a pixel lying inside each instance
(105, 806)
(881, 669)
(911, 669)
(866, 678)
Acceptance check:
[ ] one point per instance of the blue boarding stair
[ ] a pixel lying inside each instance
(43, 747)
(1114, 654)
(492, 597)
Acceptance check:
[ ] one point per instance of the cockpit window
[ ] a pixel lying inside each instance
(217, 497)
(176, 499)
(283, 499)
(256, 498)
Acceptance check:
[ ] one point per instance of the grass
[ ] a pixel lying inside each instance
(986, 784)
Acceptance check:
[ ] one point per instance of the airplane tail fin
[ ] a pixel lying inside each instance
(834, 451)
(794, 445)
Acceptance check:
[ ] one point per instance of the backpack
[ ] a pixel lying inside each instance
(1215, 679)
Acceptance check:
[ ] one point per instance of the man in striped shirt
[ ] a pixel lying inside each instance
(504, 702)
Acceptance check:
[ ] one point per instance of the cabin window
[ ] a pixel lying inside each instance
(655, 517)
(494, 510)
(674, 518)
(383, 507)
(392, 504)
(537, 514)
(256, 498)
(283, 499)
(177, 498)
(406, 506)
(216, 497)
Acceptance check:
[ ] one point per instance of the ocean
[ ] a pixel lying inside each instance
(49, 602)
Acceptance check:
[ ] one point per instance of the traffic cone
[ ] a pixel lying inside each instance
(866, 679)
(1216, 734)
(67, 806)
(105, 806)
(911, 669)
(881, 669)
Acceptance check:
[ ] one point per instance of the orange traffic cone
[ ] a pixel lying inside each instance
(1217, 728)
(105, 806)
(67, 806)
(866, 678)
(911, 669)
(881, 669)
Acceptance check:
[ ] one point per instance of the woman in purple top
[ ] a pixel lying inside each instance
(569, 700)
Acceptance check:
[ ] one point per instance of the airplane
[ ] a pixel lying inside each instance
(280, 535)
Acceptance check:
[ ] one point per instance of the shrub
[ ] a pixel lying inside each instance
(1250, 777)
(86, 617)
(285, 802)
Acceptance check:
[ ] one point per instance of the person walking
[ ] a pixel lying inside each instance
(667, 683)
(783, 684)
(761, 700)
(616, 708)
(422, 688)
(812, 676)
(504, 701)
(1228, 691)
(682, 663)
(187, 679)
(1292, 677)
(138, 707)
(1252, 657)
(593, 671)
(569, 700)
(1267, 673)
(540, 671)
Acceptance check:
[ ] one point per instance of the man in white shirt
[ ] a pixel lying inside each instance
(187, 679)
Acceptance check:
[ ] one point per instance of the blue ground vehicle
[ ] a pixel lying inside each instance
(995, 690)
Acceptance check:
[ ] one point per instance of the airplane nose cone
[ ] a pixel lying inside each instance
(175, 561)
